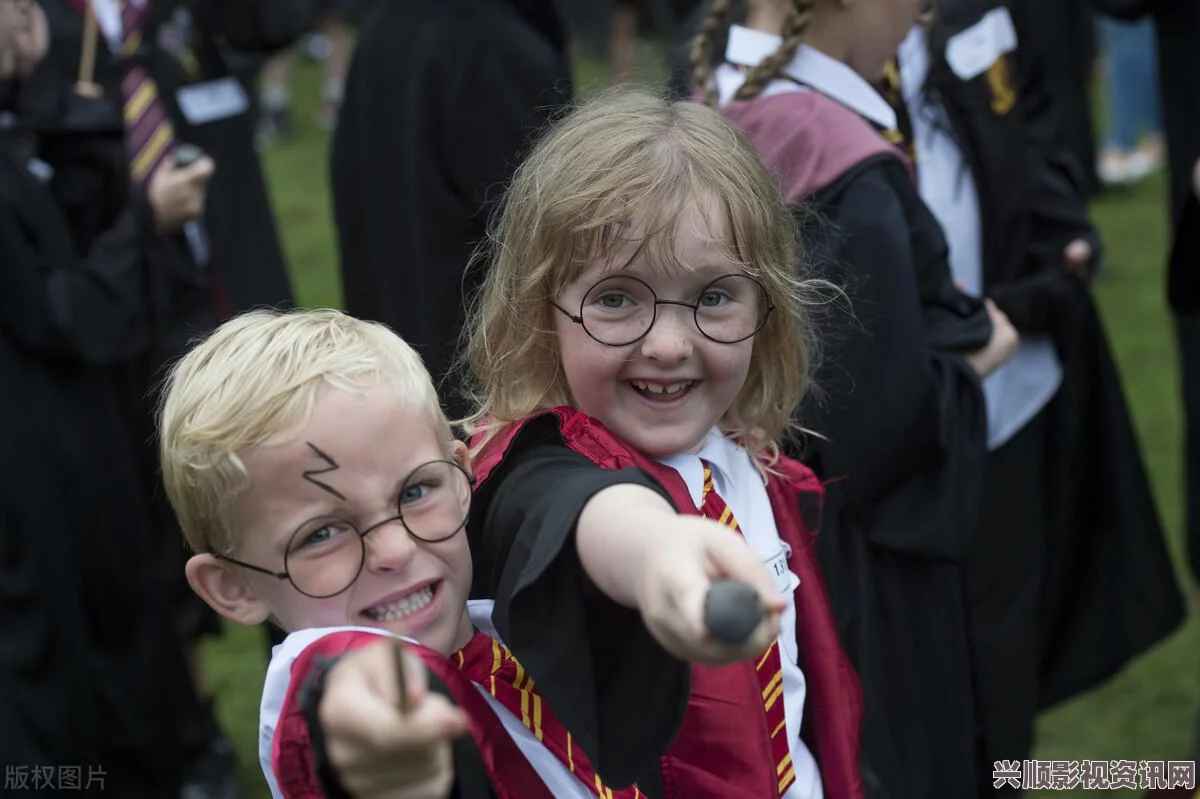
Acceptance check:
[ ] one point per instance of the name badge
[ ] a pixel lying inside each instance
(785, 580)
(971, 52)
(215, 100)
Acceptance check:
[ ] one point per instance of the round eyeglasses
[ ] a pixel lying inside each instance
(325, 554)
(621, 309)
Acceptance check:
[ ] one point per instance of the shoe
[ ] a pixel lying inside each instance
(213, 775)
(1113, 169)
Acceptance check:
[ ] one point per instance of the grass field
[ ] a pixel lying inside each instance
(1145, 713)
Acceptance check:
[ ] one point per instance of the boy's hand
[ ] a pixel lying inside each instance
(378, 750)
(688, 555)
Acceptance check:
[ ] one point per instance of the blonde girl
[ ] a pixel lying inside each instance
(640, 322)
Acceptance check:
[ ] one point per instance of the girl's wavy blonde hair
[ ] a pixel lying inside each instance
(630, 163)
(256, 377)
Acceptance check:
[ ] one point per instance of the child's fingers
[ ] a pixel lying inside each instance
(735, 561)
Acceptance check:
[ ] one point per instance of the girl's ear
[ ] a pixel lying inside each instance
(458, 451)
(225, 592)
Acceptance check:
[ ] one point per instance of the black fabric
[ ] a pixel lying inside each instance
(312, 691)
(246, 252)
(1187, 335)
(1058, 47)
(441, 101)
(1111, 591)
(903, 458)
(1010, 540)
(1036, 614)
(84, 138)
(1030, 209)
(594, 661)
(1177, 26)
(91, 670)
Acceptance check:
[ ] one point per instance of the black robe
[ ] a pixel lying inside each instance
(85, 140)
(1109, 591)
(90, 670)
(900, 439)
(904, 451)
(441, 101)
(1058, 43)
(601, 669)
(246, 254)
(1177, 24)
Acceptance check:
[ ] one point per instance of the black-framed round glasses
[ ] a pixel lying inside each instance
(620, 309)
(325, 554)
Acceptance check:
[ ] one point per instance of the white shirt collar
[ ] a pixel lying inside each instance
(719, 452)
(811, 67)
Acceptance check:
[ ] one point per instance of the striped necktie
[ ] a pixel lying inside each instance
(149, 134)
(769, 665)
(893, 92)
(488, 663)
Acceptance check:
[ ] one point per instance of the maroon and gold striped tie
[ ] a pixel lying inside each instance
(149, 134)
(769, 665)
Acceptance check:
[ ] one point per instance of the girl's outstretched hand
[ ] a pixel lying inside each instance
(690, 555)
(381, 748)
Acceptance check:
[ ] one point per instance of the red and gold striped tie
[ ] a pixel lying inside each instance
(488, 663)
(149, 134)
(769, 666)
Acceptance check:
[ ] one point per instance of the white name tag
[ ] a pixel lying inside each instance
(785, 580)
(973, 51)
(212, 101)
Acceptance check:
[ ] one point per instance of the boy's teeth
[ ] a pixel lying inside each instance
(403, 607)
(668, 389)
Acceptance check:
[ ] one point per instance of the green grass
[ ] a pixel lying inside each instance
(1146, 712)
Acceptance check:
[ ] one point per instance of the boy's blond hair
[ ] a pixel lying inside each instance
(573, 201)
(255, 378)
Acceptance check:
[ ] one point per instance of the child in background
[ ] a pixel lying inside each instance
(642, 310)
(287, 440)
(901, 431)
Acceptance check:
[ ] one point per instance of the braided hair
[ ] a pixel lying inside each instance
(795, 25)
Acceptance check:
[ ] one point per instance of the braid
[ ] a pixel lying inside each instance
(702, 49)
(794, 28)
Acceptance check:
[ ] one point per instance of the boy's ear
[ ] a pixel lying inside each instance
(224, 591)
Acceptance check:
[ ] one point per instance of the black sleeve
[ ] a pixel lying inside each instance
(619, 693)
(262, 26)
(904, 423)
(99, 306)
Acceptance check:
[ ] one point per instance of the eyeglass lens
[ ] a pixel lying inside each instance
(326, 554)
(621, 309)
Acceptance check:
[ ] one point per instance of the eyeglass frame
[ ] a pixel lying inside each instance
(578, 318)
(362, 536)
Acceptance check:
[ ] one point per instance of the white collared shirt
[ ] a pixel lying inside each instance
(1019, 389)
(809, 67)
(740, 484)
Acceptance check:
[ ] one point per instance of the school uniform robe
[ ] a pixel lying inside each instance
(90, 670)
(901, 413)
(441, 101)
(1100, 525)
(1177, 25)
(246, 254)
(1059, 48)
(185, 43)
